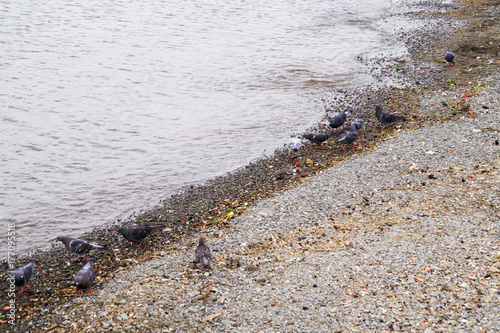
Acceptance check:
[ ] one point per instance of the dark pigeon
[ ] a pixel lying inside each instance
(80, 246)
(339, 119)
(359, 122)
(85, 277)
(386, 118)
(349, 137)
(449, 57)
(23, 274)
(294, 145)
(203, 255)
(317, 138)
(137, 233)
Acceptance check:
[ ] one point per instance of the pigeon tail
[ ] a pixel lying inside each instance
(157, 227)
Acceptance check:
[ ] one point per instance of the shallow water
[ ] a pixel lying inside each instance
(108, 106)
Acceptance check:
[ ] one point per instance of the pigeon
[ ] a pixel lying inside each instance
(80, 246)
(203, 255)
(359, 122)
(85, 277)
(386, 118)
(317, 138)
(137, 233)
(449, 57)
(349, 137)
(23, 274)
(339, 119)
(294, 145)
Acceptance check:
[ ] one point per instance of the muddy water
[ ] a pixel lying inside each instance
(108, 106)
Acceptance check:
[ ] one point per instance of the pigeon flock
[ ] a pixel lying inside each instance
(349, 136)
(84, 278)
(136, 234)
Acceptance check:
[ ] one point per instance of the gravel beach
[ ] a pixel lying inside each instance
(403, 238)
(400, 234)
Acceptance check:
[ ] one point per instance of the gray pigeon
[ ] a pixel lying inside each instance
(349, 137)
(449, 57)
(85, 277)
(294, 145)
(23, 274)
(203, 255)
(137, 233)
(359, 122)
(386, 118)
(339, 119)
(80, 246)
(317, 138)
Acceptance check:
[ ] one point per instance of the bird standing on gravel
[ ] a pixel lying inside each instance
(294, 145)
(349, 137)
(449, 57)
(137, 233)
(339, 120)
(85, 277)
(359, 122)
(23, 274)
(317, 138)
(80, 246)
(386, 118)
(203, 255)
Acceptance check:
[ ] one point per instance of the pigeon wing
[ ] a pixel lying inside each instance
(387, 118)
(203, 255)
(348, 138)
(338, 120)
(139, 232)
(79, 246)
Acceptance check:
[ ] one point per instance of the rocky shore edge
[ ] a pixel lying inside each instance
(269, 242)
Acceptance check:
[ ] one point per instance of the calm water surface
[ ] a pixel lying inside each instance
(108, 106)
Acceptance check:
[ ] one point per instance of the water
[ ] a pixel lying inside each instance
(108, 106)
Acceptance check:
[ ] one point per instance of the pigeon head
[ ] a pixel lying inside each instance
(202, 240)
(18, 277)
(63, 239)
(123, 231)
(82, 282)
(34, 261)
(90, 261)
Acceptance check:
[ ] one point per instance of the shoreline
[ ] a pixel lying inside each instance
(237, 192)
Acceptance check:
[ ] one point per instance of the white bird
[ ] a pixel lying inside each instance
(294, 145)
